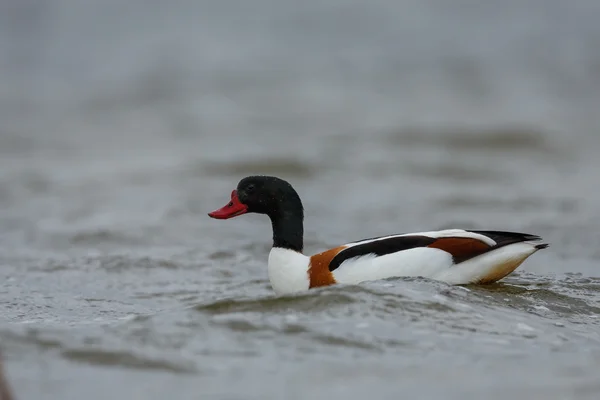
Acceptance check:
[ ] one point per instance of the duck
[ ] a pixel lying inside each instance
(453, 256)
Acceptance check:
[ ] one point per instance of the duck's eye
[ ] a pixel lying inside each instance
(230, 204)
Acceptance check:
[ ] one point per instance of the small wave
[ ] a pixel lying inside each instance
(222, 255)
(101, 236)
(268, 166)
(469, 139)
(332, 340)
(563, 206)
(124, 359)
(577, 279)
(568, 298)
(492, 203)
(452, 172)
(313, 301)
(53, 266)
(121, 263)
(382, 299)
(240, 325)
(289, 326)
(30, 337)
(168, 294)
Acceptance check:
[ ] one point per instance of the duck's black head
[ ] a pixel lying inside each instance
(271, 196)
(262, 195)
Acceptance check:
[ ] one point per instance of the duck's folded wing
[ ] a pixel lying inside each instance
(461, 245)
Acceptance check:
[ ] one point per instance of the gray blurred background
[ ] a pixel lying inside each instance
(122, 123)
(384, 106)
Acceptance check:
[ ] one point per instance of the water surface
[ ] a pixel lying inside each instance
(124, 124)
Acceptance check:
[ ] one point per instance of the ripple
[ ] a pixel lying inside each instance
(121, 263)
(314, 301)
(276, 327)
(453, 172)
(266, 166)
(124, 359)
(471, 139)
(168, 294)
(53, 267)
(332, 340)
(31, 336)
(240, 325)
(469, 202)
(566, 205)
(101, 236)
(222, 255)
(565, 298)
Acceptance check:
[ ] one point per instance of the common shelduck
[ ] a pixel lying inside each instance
(454, 256)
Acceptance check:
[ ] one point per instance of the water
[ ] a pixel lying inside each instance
(124, 124)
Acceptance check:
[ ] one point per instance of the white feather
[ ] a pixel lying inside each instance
(288, 271)
(420, 261)
(436, 235)
(500, 261)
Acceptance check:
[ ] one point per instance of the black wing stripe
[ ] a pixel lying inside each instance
(506, 238)
(393, 244)
(381, 248)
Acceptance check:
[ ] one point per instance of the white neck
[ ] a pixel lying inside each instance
(288, 271)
